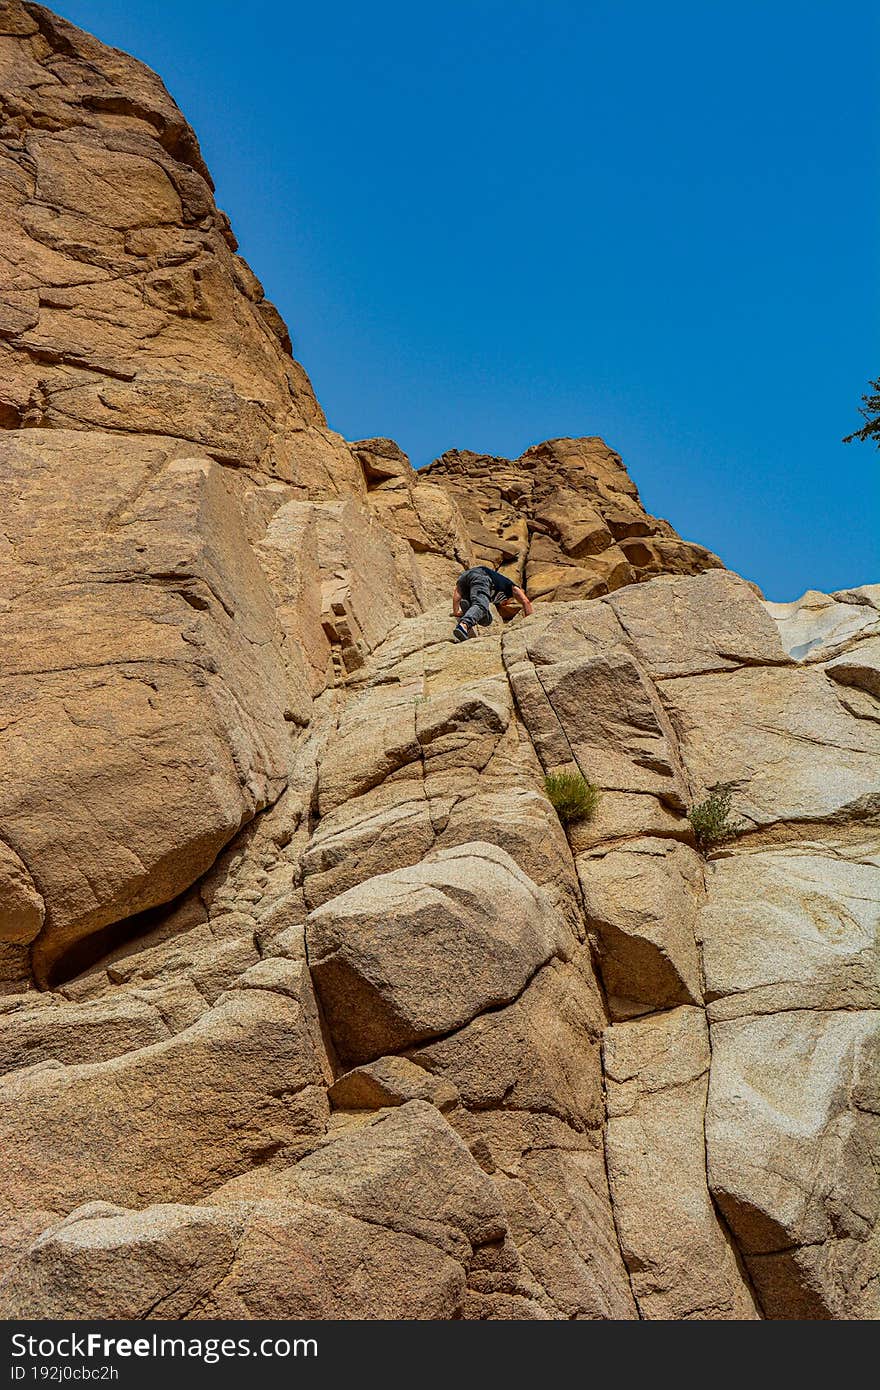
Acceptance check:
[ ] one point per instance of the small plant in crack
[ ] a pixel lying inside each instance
(712, 821)
(572, 796)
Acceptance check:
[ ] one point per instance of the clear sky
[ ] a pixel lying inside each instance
(491, 222)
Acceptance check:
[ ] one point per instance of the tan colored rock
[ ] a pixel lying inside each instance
(785, 929)
(460, 727)
(184, 950)
(289, 556)
(553, 582)
(642, 902)
(481, 781)
(613, 724)
(540, 1054)
(299, 1261)
(181, 1262)
(687, 626)
(172, 1119)
(421, 513)
(389, 1081)
(470, 772)
(408, 1169)
(22, 910)
(230, 704)
(104, 1261)
(376, 738)
(622, 815)
(140, 678)
(368, 582)
(388, 1221)
(580, 528)
(581, 676)
(858, 666)
(382, 461)
(519, 820)
(382, 830)
(554, 1187)
(680, 1258)
(127, 308)
(782, 737)
(15, 969)
(415, 953)
(554, 517)
(39, 1027)
(792, 1139)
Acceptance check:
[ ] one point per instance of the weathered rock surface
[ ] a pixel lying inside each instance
(565, 519)
(125, 307)
(817, 626)
(793, 927)
(310, 1005)
(419, 952)
(792, 1135)
(641, 901)
(778, 933)
(393, 1220)
(154, 1124)
(141, 677)
(682, 1261)
(420, 512)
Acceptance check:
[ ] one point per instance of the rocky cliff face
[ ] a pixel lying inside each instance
(311, 1005)
(565, 519)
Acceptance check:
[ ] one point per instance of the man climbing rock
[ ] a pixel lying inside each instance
(475, 590)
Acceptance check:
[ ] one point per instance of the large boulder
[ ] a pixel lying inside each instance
(641, 901)
(783, 737)
(143, 691)
(793, 927)
(418, 952)
(391, 1220)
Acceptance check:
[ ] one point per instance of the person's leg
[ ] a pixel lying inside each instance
(478, 610)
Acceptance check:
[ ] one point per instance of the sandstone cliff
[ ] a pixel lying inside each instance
(311, 1006)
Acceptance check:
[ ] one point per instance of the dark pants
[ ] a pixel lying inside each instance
(479, 597)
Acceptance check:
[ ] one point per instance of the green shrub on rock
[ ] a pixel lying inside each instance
(711, 819)
(571, 795)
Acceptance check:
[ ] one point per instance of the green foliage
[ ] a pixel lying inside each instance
(572, 796)
(711, 819)
(870, 412)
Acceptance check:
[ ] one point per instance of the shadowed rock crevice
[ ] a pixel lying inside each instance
(94, 949)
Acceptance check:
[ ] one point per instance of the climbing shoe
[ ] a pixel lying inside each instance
(461, 632)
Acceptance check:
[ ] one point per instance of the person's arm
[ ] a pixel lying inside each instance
(522, 599)
(456, 603)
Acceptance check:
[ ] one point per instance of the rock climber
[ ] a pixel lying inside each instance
(475, 590)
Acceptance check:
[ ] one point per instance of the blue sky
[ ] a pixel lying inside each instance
(490, 222)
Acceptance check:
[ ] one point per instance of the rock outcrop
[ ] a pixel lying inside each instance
(565, 519)
(309, 1004)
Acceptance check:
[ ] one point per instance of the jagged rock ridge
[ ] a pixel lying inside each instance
(340, 1022)
(565, 519)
